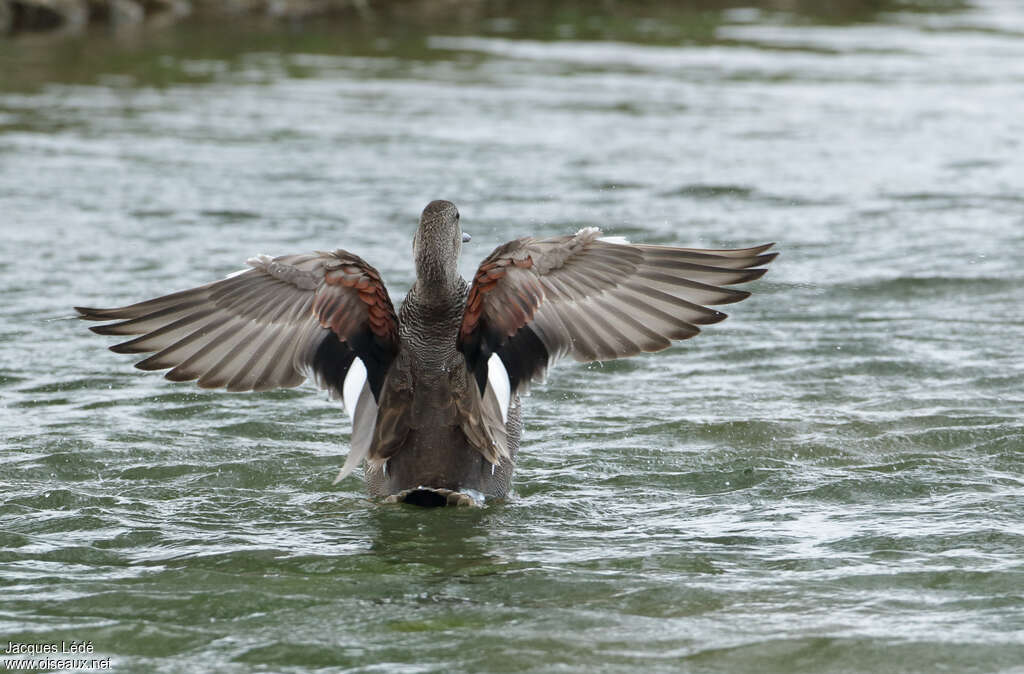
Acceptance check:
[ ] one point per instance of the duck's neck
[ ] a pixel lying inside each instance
(436, 281)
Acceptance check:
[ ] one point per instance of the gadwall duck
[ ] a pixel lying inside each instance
(433, 391)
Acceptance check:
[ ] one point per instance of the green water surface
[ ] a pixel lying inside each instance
(830, 481)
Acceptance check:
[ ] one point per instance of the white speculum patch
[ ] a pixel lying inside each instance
(497, 379)
(354, 380)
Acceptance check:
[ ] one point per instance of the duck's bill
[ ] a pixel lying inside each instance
(429, 497)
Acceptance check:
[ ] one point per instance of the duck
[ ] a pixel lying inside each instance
(434, 390)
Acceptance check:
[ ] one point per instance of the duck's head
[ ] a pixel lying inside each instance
(438, 243)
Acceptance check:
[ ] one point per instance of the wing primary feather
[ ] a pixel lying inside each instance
(247, 375)
(170, 355)
(587, 343)
(680, 326)
(221, 372)
(217, 348)
(608, 333)
(721, 252)
(657, 340)
(140, 308)
(696, 313)
(705, 273)
(277, 362)
(700, 292)
(141, 324)
(167, 335)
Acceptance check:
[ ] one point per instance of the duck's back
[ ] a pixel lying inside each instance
(431, 410)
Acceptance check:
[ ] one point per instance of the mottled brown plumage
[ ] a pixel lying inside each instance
(433, 391)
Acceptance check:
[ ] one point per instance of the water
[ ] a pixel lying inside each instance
(831, 480)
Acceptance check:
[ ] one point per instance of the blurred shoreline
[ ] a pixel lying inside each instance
(70, 17)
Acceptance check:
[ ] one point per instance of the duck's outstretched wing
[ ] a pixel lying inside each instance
(267, 327)
(535, 300)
